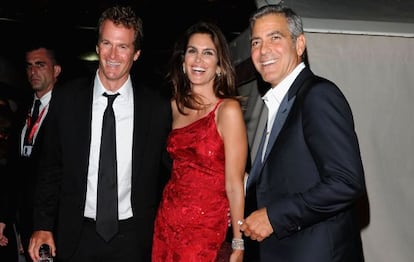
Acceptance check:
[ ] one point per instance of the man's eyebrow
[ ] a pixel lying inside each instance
(277, 32)
(36, 63)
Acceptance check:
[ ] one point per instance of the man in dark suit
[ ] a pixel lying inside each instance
(69, 174)
(42, 71)
(308, 172)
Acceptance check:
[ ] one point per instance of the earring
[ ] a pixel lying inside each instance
(218, 74)
(184, 69)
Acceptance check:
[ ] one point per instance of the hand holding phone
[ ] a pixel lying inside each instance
(44, 253)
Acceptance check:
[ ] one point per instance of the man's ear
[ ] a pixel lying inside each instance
(137, 54)
(57, 69)
(300, 45)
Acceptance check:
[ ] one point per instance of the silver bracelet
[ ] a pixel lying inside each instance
(237, 244)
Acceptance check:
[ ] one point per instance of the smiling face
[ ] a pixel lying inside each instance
(273, 51)
(201, 61)
(116, 53)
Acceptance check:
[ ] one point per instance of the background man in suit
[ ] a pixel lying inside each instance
(42, 70)
(66, 200)
(308, 171)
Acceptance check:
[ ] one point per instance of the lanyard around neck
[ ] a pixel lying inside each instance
(35, 126)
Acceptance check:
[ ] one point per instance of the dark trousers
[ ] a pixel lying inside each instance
(92, 248)
(25, 234)
(10, 252)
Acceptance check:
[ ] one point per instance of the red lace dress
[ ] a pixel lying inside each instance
(192, 220)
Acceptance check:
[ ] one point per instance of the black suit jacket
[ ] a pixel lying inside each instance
(23, 174)
(311, 176)
(60, 198)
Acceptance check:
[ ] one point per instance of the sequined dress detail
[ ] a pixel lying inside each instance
(192, 220)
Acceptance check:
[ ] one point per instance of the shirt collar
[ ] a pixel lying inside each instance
(45, 99)
(276, 93)
(125, 91)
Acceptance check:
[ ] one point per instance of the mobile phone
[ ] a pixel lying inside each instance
(45, 254)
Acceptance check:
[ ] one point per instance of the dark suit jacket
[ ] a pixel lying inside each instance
(311, 177)
(23, 175)
(60, 198)
(25, 169)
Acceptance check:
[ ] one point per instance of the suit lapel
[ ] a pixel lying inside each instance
(141, 116)
(280, 120)
(83, 121)
(285, 106)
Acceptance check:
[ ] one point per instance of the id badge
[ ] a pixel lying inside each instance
(27, 150)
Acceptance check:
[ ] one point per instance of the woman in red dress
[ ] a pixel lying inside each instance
(208, 145)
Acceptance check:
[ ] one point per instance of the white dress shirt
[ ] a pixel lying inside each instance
(43, 108)
(124, 119)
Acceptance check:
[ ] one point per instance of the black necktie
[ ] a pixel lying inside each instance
(107, 201)
(33, 118)
(35, 113)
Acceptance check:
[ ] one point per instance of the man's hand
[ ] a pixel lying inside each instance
(3, 239)
(257, 226)
(39, 238)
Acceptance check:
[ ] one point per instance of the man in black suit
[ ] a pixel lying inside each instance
(42, 71)
(308, 172)
(69, 174)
